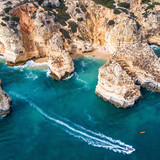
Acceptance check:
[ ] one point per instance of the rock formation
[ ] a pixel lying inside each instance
(5, 102)
(116, 86)
(133, 65)
(141, 63)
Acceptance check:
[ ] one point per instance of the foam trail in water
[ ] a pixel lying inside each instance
(88, 136)
(77, 77)
(30, 75)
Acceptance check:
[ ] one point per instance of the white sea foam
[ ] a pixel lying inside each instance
(69, 77)
(29, 63)
(83, 64)
(81, 80)
(48, 73)
(155, 47)
(1, 57)
(88, 136)
(30, 75)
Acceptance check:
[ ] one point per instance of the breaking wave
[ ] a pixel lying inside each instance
(154, 47)
(31, 64)
(91, 138)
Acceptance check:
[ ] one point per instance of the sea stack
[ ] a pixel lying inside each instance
(5, 102)
(116, 86)
(129, 68)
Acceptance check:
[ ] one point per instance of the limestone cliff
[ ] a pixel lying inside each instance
(58, 29)
(116, 86)
(141, 63)
(130, 66)
(5, 102)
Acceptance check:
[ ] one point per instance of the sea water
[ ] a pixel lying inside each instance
(65, 120)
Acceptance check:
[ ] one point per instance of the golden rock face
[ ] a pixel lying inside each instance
(133, 65)
(54, 30)
(5, 102)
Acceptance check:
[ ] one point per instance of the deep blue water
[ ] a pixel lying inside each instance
(65, 120)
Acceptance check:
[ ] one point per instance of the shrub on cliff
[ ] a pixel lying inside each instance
(132, 15)
(7, 9)
(14, 18)
(3, 24)
(124, 5)
(106, 3)
(124, 10)
(146, 1)
(150, 7)
(116, 11)
(78, 10)
(65, 33)
(5, 18)
(111, 22)
(39, 1)
(80, 19)
(83, 8)
(156, 3)
(81, 38)
(73, 26)
(8, 3)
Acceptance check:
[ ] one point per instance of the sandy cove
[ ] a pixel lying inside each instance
(100, 52)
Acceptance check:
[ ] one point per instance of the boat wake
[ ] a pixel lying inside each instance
(88, 136)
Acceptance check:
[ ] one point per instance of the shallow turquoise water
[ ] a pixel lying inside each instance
(65, 120)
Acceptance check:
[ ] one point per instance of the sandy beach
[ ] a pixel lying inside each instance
(96, 52)
(101, 53)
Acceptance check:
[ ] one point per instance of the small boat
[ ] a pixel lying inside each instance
(142, 132)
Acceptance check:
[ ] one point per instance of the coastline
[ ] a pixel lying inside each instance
(100, 53)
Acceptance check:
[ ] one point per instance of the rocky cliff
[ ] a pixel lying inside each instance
(58, 29)
(131, 66)
(116, 86)
(5, 102)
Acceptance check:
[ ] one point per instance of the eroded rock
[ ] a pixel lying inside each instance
(116, 86)
(5, 102)
(130, 67)
(141, 63)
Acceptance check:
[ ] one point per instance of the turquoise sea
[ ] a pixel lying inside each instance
(65, 120)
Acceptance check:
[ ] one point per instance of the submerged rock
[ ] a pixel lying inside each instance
(5, 102)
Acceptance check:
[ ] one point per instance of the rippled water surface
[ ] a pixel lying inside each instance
(65, 120)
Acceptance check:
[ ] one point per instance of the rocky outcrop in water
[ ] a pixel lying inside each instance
(5, 102)
(142, 64)
(116, 86)
(136, 64)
